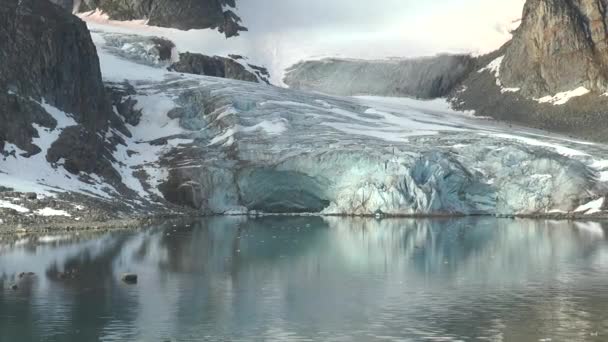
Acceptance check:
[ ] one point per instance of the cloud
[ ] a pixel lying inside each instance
(284, 32)
(447, 24)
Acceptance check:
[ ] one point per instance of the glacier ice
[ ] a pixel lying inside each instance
(275, 150)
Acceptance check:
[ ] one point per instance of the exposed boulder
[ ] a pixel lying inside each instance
(194, 63)
(422, 77)
(129, 278)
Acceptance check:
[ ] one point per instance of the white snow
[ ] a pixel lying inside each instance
(52, 212)
(154, 122)
(16, 207)
(563, 97)
(494, 68)
(591, 207)
(563, 150)
(117, 69)
(207, 42)
(275, 127)
(557, 99)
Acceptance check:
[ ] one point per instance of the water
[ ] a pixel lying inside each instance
(310, 278)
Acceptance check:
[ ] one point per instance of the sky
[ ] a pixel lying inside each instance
(284, 32)
(291, 30)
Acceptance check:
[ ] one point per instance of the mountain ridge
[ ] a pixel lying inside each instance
(552, 74)
(179, 14)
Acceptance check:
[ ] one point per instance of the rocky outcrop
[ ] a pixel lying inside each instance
(561, 45)
(48, 54)
(154, 51)
(53, 105)
(47, 57)
(180, 14)
(423, 77)
(224, 67)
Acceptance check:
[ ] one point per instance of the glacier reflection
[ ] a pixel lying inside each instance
(302, 278)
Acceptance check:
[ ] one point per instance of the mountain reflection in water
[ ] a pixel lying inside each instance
(303, 278)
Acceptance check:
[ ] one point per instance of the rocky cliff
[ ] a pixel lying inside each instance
(560, 45)
(55, 112)
(52, 61)
(180, 14)
(551, 75)
(422, 77)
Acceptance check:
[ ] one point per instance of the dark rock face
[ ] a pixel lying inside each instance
(47, 53)
(180, 14)
(194, 63)
(67, 4)
(560, 45)
(424, 77)
(47, 56)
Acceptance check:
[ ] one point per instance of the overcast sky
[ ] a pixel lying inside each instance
(299, 29)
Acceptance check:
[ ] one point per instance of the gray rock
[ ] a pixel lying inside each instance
(194, 63)
(129, 278)
(560, 45)
(583, 116)
(422, 77)
(61, 69)
(154, 51)
(180, 14)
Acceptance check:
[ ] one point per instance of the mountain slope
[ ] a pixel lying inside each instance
(423, 77)
(179, 14)
(552, 75)
(174, 142)
(560, 46)
(50, 64)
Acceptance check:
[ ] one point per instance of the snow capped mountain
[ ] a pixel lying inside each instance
(174, 141)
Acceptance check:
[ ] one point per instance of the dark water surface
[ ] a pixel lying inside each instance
(310, 278)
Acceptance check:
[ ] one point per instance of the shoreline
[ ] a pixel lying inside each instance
(142, 222)
(91, 226)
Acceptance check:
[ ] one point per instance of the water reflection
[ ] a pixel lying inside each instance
(302, 278)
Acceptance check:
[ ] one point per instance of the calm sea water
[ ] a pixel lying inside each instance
(312, 279)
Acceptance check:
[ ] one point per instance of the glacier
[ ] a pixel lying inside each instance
(230, 147)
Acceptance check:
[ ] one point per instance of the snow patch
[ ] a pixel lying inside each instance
(52, 212)
(591, 207)
(494, 68)
(274, 127)
(563, 150)
(563, 97)
(17, 208)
